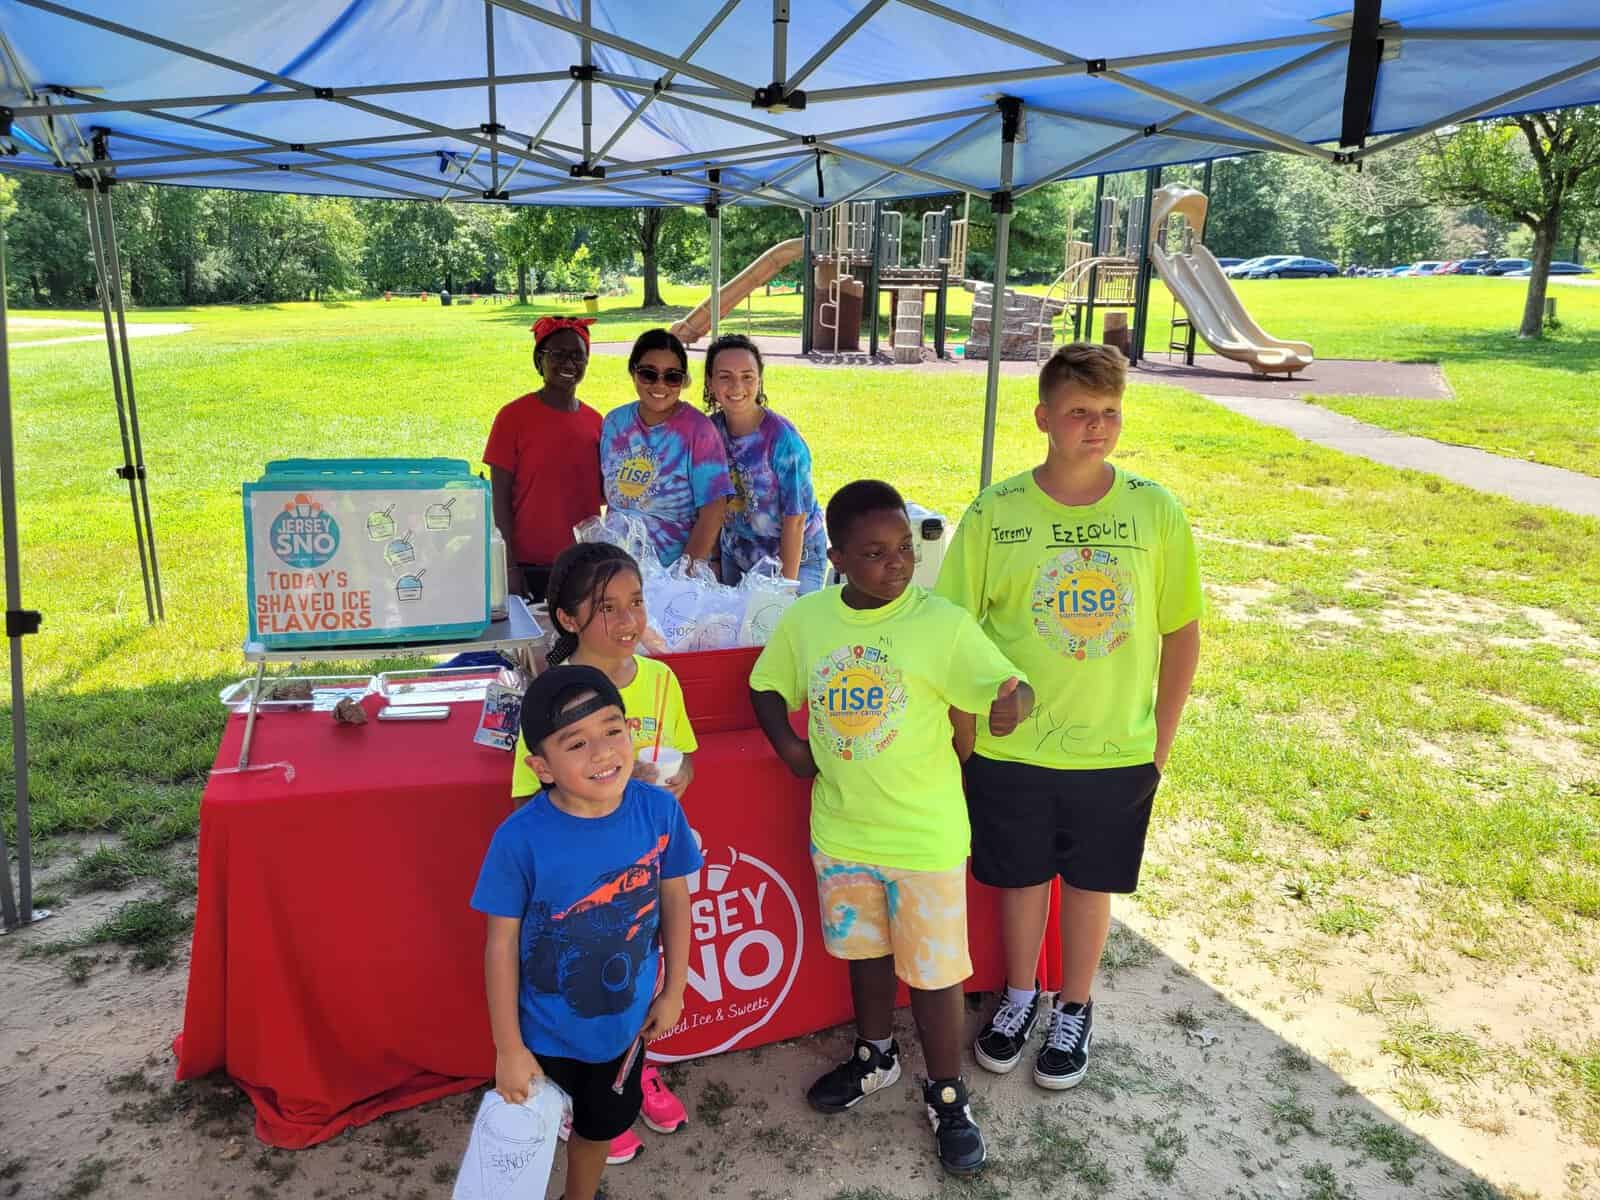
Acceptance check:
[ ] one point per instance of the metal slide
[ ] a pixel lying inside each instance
(1194, 277)
(772, 260)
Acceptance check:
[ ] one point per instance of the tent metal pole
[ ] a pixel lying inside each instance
(807, 283)
(494, 120)
(936, 148)
(1000, 202)
(587, 96)
(825, 51)
(780, 43)
(943, 181)
(19, 622)
(133, 404)
(85, 105)
(1202, 109)
(1141, 300)
(97, 244)
(714, 211)
(665, 81)
(1477, 110)
(1164, 125)
(585, 30)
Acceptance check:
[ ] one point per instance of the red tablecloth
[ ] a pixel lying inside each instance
(337, 971)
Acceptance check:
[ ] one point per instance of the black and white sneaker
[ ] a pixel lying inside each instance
(857, 1077)
(955, 1133)
(1064, 1060)
(999, 1047)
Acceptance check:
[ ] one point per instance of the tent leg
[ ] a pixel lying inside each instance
(714, 211)
(1141, 296)
(133, 406)
(16, 910)
(127, 470)
(807, 279)
(1011, 114)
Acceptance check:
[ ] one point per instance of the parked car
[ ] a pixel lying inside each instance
(1293, 267)
(1449, 267)
(1240, 270)
(1556, 268)
(1426, 267)
(1398, 269)
(1225, 263)
(1473, 266)
(1504, 266)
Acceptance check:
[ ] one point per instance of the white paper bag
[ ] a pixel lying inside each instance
(513, 1146)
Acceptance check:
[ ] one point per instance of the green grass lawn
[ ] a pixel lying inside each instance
(1399, 679)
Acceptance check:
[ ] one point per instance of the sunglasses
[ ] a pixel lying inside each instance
(672, 377)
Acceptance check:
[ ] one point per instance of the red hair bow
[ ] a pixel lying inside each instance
(545, 326)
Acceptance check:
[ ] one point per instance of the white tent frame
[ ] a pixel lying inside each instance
(551, 168)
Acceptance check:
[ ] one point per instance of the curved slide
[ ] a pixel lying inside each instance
(1207, 296)
(772, 260)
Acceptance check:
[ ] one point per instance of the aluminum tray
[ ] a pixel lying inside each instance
(325, 692)
(442, 685)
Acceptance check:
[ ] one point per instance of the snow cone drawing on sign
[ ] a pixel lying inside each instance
(878, 665)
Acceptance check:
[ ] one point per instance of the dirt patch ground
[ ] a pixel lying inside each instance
(1233, 1059)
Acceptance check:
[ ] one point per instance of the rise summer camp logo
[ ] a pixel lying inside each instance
(1083, 603)
(856, 701)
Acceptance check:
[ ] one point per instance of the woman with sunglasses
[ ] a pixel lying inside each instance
(662, 459)
(544, 457)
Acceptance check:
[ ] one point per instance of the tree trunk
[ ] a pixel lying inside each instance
(649, 231)
(522, 283)
(1544, 239)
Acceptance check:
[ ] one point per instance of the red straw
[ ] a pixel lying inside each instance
(661, 715)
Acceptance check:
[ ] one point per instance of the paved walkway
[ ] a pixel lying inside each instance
(136, 329)
(1533, 483)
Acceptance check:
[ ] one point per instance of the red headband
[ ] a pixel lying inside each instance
(545, 326)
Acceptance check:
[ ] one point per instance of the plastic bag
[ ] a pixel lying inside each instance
(767, 596)
(721, 617)
(673, 601)
(513, 1146)
(622, 528)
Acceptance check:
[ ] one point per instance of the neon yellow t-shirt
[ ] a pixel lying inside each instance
(639, 699)
(1079, 597)
(879, 685)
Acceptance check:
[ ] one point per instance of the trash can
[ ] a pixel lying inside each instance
(444, 299)
(591, 302)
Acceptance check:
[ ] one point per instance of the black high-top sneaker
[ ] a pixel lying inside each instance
(1065, 1057)
(955, 1133)
(857, 1077)
(999, 1047)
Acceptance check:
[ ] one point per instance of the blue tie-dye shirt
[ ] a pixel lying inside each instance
(771, 470)
(666, 473)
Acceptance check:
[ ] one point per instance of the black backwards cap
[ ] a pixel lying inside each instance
(544, 710)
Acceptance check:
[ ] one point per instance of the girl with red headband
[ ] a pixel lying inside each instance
(544, 457)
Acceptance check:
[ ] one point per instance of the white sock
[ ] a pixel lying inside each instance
(1021, 997)
(882, 1047)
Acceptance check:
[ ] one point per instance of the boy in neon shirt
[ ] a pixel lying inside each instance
(1086, 577)
(878, 665)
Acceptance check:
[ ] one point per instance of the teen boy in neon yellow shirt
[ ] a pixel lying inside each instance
(878, 665)
(1085, 576)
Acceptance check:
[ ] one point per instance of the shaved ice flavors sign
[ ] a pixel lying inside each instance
(331, 564)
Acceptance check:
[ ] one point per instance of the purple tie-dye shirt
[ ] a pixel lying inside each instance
(771, 470)
(666, 473)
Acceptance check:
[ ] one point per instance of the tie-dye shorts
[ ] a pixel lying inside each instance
(920, 917)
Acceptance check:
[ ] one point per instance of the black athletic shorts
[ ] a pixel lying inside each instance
(598, 1113)
(1030, 823)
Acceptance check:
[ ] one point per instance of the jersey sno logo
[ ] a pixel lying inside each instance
(634, 476)
(856, 699)
(303, 535)
(1083, 603)
(747, 944)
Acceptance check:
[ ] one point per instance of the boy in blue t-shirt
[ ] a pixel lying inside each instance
(577, 885)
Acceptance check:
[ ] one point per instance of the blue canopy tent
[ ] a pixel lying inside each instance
(607, 102)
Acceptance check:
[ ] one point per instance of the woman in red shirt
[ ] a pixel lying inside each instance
(544, 457)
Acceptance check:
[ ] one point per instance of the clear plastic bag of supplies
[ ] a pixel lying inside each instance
(622, 528)
(674, 600)
(513, 1146)
(721, 617)
(767, 595)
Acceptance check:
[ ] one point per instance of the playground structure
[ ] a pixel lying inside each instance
(768, 264)
(858, 251)
(1196, 281)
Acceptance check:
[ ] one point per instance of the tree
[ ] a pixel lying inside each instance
(663, 239)
(1527, 169)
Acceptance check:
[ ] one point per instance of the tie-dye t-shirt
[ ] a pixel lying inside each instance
(666, 473)
(771, 475)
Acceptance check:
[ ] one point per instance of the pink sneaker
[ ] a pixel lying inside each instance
(624, 1147)
(662, 1111)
